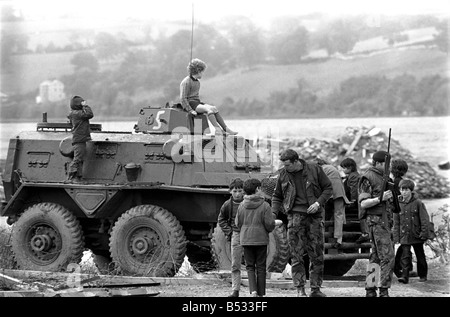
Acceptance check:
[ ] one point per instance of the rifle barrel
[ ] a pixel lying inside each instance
(389, 140)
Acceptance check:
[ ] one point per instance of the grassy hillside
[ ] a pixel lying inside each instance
(321, 77)
(32, 69)
(257, 83)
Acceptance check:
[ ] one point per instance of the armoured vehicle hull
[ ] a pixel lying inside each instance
(147, 198)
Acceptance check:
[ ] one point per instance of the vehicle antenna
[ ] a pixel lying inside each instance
(192, 31)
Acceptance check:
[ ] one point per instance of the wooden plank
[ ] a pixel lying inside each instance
(111, 280)
(134, 292)
(346, 256)
(116, 285)
(21, 294)
(355, 141)
(15, 283)
(84, 293)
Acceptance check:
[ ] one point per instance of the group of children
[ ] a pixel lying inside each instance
(246, 219)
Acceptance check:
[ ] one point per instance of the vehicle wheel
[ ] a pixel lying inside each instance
(148, 240)
(47, 237)
(277, 251)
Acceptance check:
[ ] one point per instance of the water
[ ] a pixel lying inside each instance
(426, 137)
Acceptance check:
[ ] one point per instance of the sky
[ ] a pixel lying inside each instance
(207, 10)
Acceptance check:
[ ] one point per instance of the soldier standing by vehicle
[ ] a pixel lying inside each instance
(370, 187)
(301, 191)
(81, 133)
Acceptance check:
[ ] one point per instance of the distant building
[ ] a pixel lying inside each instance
(320, 54)
(3, 97)
(51, 91)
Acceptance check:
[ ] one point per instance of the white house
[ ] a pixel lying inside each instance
(51, 91)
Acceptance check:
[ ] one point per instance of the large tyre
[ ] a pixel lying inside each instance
(277, 250)
(47, 237)
(148, 240)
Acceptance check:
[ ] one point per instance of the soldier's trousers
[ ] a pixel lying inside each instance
(382, 252)
(306, 234)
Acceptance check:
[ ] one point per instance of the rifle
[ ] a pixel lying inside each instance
(387, 184)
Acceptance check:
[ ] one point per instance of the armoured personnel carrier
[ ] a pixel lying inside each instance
(146, 200)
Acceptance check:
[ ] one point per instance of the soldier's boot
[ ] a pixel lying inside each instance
(315, 292)
(221, 122)
(301, 292)
(384, 292)
(72, 176)
(371, 292)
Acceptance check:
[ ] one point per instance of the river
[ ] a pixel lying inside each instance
(426, 137)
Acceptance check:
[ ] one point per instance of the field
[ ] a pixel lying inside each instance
(255, 83)
(321, 77)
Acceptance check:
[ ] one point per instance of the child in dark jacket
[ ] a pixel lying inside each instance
(255, 221)
(79, 118)
(411, 229)
(226, 222)
(351, 190)
(399, 168)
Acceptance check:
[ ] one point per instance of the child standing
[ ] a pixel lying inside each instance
(411, 229)
(255, 221)
(79, 118)
(398, 170)
(226, 222)
(339, 198)
(190, 99)
(351, 188)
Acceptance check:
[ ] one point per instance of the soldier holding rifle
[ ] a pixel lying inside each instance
(373, 198)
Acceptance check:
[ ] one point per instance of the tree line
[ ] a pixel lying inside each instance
(362, 96)
(159, 64)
